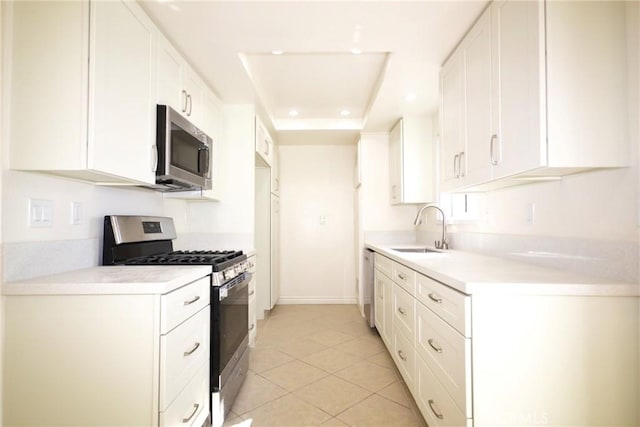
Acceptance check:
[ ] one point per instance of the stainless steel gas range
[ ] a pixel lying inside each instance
(145, 240)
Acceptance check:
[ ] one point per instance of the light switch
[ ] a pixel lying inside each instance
(40, 213)
(76, 213)
(323, 220)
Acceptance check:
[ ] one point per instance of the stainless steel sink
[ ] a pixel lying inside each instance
(416, 250)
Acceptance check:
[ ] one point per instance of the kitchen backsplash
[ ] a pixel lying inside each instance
(23, 260)
(609, 259)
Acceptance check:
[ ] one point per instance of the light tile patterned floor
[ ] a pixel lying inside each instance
(321, 365)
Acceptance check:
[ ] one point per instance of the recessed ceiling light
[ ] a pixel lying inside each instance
(277, 52)
(356, 51)
(345, 113)
(293, 113)
(410, 97)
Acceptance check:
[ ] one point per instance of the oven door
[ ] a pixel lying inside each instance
(230, 327)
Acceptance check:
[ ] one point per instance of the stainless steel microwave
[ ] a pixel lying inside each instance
(184, 153)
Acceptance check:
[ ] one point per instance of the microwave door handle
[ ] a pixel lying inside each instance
(203, 160)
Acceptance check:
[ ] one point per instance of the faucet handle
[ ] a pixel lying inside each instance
(437, 244)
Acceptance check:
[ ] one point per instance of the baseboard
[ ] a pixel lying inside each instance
(317, 300)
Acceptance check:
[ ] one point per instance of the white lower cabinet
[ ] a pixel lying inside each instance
(434, 402)
(531, 360)
(384, 306)
(101, 359)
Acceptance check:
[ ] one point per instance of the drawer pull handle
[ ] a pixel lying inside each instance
(402, 276)
(253, 325)
(439, 416)
(436, 298)
(190, 352)
(252, 292)
(402, 356)
(402, 311)
(192, 301)
(196, 406)
(437, 349)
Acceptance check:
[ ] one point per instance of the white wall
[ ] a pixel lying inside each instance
(318, 264)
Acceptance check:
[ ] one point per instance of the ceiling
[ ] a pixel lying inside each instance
(343, 66)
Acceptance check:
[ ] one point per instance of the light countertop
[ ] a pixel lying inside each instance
(109, 280)
(475, 274)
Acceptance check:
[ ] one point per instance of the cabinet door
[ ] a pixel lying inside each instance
(122, 91)
(395, 164)
(170, 76)
(451, 109)
(518, 70)
(194, 87)
(264, 146)
(476, 51)
(275, 250)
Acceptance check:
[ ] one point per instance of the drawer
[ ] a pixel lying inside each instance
(191, 407)
(179, 305)
(447, 353)
(405, 277)
(452, 306)
(383, 264)
(404, 312)
(436, 406)
(404, 355)
(182, 351)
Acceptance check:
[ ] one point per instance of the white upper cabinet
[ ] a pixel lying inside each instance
(264, 143)
(82, 90)
(180, 87)
(411, 161)
(535, 90)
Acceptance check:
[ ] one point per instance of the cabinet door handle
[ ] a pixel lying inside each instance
(402, 276)
(253, 325)
(492, 148)
(435, 298)
(402, 311)
(456, 172)
(190, 351)
(267, 147)
(184, 101)
(252, 292)
(190, 104)
(193, 413)
(460, 164)
(402, 356)
(431, 406)
(192, 300)
(437, 349)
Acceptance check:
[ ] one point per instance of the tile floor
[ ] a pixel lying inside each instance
(320, 365)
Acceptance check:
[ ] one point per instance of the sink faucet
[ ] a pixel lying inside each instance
(439, 244)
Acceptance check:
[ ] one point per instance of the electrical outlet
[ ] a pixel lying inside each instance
(40, 213)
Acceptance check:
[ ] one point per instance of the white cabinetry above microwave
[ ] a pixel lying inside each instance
(91, 120)
(535, 91)
(180, 87)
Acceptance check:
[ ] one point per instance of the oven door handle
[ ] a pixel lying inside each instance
(234, 286)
